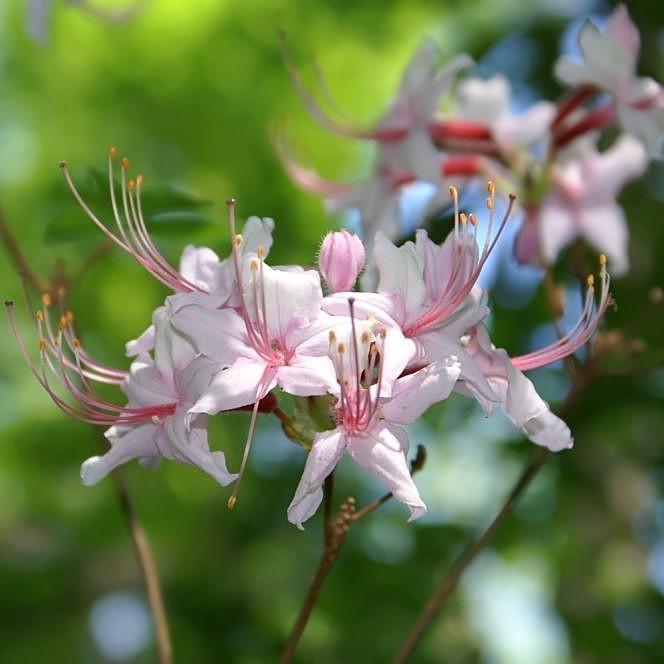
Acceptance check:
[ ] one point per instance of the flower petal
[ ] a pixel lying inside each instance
(327, 450)
(134, 443)
(412, 395)
(382, 451)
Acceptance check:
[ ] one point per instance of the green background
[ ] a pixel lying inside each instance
(190, 92)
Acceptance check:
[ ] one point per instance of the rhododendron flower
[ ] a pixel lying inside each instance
(200, 269)
(405, 150)
(582, 202)
(160, 392)
(366, 418)
(609, 63)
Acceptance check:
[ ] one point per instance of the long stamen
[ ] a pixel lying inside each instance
(247, 446)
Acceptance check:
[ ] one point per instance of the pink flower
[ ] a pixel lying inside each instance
(160, 391)
(582, 203)
(340, 260)
(200, 269)
(366, 417)
(609, 63)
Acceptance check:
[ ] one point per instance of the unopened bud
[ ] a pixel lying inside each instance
(341, 260)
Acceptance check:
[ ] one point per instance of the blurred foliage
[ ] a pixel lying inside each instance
(189, 91)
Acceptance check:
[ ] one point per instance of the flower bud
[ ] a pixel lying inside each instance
(340, 260)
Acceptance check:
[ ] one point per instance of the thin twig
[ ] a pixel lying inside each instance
(18, 259)
(335, 531)
(451, 581)
(148, 571)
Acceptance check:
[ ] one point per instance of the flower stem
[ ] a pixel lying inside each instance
(148, 571)
(335, 531)
(451, 581)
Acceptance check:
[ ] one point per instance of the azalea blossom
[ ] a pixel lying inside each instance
(429, 292)
(582, 203)
(609, 63)
(160, 391)
(405, 149)
(367, 419)
(200, 269)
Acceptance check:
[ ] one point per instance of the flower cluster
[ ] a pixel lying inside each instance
(548, 154)
(237, 333)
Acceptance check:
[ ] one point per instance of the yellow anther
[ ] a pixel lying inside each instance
(124, 162)
(382, 333)
(332, 336)
(261, 252)
(472, 219)
(46, 299)
(238, 240)
(463, 218)
(56, 341)
(40, 315)
(341, 349)
(77, 343)
(602, 260)
(112, 153)
(42, 344)
(491, 187)
(132, 184)
(232, 501)
(489, 203)
(69, 315)
(365, 337)
(63, 322)
(255, 264)
(591, 280)
(139, 180)
(373, 349)
(453, 192)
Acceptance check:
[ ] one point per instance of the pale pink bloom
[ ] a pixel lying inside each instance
(405, 151)
(429, 292)
(518, 397)
(582, 203)
(340, 260)
(609, 63)
(425, 290)
(488, 102)
(160, 391)
(366, 418)
(200, 269)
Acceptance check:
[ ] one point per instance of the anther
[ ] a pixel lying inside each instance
(341, 349)
(489, 203)
(453, 192)
(132, 184)
(139, 180)
(472, 218)
(124, 162)
(42, 344)
(46, 299)
(238, 241)
(491, 187)
(40, 315)
(77, 343)
(261, 252)
(63, 322)
(112, 153)
(69, 315)
(232, 501)
(231, 202)
(255, 264)
(463, 218)
(591, 280)
(332, 336)
(602, 260)
(365, 337)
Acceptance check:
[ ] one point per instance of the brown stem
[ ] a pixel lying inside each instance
(335, 532)
(18, 259)
(148, 571)
(451, 581)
